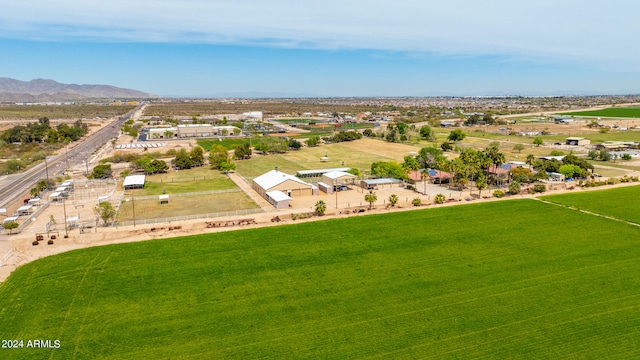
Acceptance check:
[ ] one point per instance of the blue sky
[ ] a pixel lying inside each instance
(205, 48)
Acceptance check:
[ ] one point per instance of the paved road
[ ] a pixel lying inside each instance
(15, 186)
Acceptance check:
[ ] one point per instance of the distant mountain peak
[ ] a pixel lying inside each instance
(40, 90)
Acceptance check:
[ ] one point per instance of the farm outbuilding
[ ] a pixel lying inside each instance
(56, 196)
(134, 182)
(373, 184)
(288, 184)
(577, 141)
(338, 178)
(25, 210)
(278, 199)
(317, 172)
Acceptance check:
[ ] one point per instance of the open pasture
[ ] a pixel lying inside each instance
(618, 203)
(357, 154)
(186, 204)
(184, 181)
(514, 279)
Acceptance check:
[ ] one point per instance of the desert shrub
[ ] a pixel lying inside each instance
(498, 193)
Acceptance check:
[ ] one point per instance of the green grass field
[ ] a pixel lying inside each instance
(185, 181)
(185, 205)
(514, 279)
(357, 154)
(600, 202)
(628, 112)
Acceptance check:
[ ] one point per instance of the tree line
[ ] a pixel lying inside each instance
(42, 131)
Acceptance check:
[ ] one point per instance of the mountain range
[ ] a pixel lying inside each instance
(45, 90)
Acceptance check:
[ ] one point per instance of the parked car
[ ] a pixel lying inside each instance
(340, 188)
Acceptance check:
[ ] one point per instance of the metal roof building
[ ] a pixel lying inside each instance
(134, 182)
(288, 184)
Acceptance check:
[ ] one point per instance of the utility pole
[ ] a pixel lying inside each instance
(133, 205)
(66, 155)
(66, 229)
(46, 168)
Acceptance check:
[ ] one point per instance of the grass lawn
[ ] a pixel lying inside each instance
(229, 143)
(184, 181)
(513, 280)
(611, 202)
(185, 205)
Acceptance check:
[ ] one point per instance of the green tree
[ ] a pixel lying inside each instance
(518, 148)
(182, 160)
(429, 157)
(481, 183)
(197, 156)
(456, 135)
(514, 188)
(313, 141)
(101, 171)
(227, 166)
(356, 172)
(321, 207)
(217, 155)
(393, 200)
(538, 141)
(242, 151)
(11, 225)
(425, 131)
(34, 191)
(410, 163)
(530, 159)
(105, 211)
(370, 197)
(385, 169)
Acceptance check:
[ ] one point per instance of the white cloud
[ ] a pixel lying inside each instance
(583, 31)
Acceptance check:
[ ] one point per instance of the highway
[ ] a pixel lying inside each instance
(17, 185)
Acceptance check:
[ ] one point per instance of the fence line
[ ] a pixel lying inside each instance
(190, 217)
(33, 215)
(197, 193)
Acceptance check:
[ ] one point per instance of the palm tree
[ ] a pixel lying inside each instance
(393, 200)
(321, 207)
(34, 191)
(370, 197)
(530, 159)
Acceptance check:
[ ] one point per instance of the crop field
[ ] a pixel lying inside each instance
(534, 280)
(628, 112)
(618, 203)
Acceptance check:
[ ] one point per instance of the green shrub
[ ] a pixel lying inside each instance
(439, 199)
(539, 188)
(498, 193)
